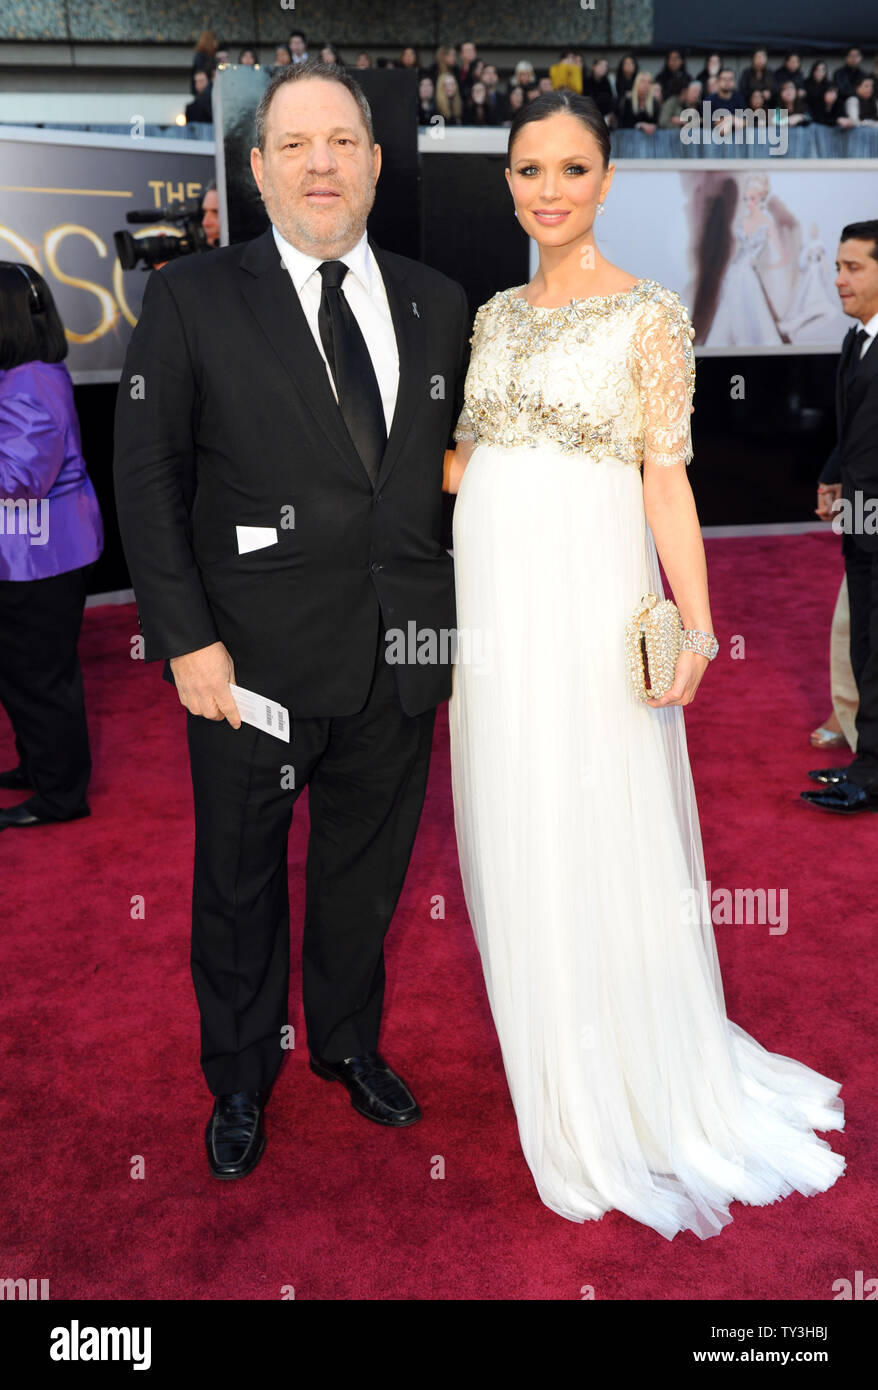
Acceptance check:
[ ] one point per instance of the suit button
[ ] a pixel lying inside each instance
(375, 567)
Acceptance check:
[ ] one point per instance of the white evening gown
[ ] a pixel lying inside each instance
(743, 315)
(814, 315)
(575, 814)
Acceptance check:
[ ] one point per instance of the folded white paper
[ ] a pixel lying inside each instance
(262, 713)
(255, 537)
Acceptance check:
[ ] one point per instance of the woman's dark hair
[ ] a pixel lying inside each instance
(30, 328)
(570, 103)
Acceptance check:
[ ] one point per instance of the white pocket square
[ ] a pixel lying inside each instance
(255, 537)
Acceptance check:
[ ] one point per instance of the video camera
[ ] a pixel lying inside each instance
(165, 246)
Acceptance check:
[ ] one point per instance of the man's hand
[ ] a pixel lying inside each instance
(827, 493)
(202, 680)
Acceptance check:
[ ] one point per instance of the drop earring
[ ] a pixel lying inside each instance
(600, 207)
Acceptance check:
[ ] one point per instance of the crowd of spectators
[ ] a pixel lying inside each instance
(458, 88)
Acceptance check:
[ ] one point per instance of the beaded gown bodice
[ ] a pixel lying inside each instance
(608, 375)
(750, 245)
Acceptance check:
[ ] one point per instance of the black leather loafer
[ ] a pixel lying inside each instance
(828, 775)
(844, 797)
(235, 1134)
(19, 818)
(15, 779)
(375, 1090)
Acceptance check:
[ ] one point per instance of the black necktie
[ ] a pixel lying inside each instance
(853, 361)
(359, 398)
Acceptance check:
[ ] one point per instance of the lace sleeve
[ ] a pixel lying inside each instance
(463, 431)
(464, 428)
(667, 382)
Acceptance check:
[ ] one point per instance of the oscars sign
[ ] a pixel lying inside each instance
(64, 195)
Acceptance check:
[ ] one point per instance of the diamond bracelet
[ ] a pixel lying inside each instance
(704, 643)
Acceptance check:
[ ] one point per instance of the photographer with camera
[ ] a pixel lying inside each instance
(194, 230)
(210, 222)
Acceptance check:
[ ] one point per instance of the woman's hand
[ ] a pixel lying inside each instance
(691, 666)
(453, 466)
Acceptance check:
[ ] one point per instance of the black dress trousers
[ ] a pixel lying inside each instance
(861, 567)
(41, 688)
(366, 775)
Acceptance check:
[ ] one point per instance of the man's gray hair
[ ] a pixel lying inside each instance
(298, 72)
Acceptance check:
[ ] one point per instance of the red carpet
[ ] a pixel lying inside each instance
(100, 1030)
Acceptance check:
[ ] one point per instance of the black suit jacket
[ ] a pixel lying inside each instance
(854, 460)
(225, 417)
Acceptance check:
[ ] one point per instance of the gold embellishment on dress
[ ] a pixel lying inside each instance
(640, 388)
(522, 419)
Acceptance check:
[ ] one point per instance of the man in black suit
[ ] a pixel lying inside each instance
(848, 77)
(281, 426)
(849, 488)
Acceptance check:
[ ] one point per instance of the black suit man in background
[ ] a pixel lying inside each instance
(849, 483)
(281, 428)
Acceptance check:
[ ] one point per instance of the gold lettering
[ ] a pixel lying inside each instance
(25, 252)
(109, 312)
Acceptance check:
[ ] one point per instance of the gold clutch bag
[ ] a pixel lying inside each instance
(653, 640)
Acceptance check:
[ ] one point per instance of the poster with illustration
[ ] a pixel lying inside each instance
(749, 246)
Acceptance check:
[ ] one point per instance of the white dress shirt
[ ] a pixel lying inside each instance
(871, 327)
(852, 111)
(363, 288)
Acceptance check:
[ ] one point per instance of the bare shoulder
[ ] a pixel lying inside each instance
(623, 282)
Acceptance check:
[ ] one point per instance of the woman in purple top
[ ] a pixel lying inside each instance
(50, 535)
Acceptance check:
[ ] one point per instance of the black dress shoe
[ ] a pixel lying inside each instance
(20, 818)
(375, 1090)
(843, 796)
(235, 1135)
(14, 778)
(828, 775)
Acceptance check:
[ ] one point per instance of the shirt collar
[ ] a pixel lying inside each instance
(301, 266)
(871, 325)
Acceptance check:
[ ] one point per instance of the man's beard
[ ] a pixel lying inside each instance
(305, 233)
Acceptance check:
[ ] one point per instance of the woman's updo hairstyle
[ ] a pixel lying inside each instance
(549, 104)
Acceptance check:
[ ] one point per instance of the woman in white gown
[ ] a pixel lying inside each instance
(815, 314)
(744, 315)
(575, 812)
